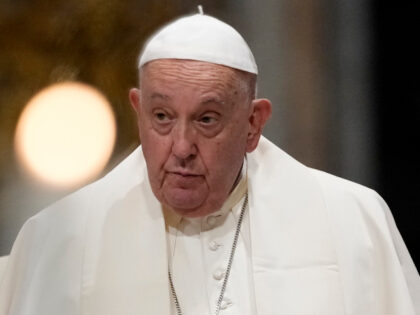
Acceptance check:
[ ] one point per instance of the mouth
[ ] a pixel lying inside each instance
(184, 174)
(184, 180)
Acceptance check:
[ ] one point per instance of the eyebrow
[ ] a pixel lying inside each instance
(160, 96)
(213, 100)
(165, 97)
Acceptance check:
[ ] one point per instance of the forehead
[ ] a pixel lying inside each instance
(191, 73)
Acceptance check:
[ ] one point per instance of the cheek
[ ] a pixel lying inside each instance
(233, 144)
(223, 159)
(156, 152)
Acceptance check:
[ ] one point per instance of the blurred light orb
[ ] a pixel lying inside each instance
(66, 134)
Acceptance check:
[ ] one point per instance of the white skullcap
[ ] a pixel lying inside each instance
(203, 38)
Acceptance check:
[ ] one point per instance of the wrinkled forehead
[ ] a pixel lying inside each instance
(193, 73)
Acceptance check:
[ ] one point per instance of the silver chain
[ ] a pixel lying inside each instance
(229, 266)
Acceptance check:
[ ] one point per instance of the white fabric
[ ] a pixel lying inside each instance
(200, 37)
(320, 245)
(198, 255)
(3, 264)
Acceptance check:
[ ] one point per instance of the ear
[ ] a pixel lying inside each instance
(260, 112)
(134, 96)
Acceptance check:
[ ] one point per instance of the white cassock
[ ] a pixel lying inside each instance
(198, 255)
(316, 244)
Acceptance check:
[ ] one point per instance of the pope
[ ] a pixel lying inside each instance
(207, 216)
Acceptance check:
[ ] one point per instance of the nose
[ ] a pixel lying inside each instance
(183, 145)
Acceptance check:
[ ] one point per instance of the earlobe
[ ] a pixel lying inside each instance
(134, 96)
(259, 114)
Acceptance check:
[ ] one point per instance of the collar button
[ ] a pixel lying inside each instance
(211, 220)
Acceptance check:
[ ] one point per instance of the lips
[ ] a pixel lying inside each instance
(184, 174)
(183, 180)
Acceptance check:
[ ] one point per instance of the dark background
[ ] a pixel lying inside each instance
(397, 104)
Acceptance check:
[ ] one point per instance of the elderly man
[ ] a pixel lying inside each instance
(208, 217)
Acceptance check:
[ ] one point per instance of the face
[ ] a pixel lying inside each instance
(196, 122)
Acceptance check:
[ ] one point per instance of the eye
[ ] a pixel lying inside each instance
(161, 116)
(208, 119)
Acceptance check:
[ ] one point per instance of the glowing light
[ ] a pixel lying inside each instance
(66, 134)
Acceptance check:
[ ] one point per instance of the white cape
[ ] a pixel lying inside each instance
(320, 245)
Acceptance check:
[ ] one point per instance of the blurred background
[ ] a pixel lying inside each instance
(343, 77)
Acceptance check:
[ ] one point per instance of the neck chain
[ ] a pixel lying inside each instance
(228, 268)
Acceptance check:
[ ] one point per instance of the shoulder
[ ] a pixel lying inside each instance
(340, 185)
(69, 214)
(345, 194)
(341, 197)
(368, 243)
(55, 239)
(360, 218)
(271, 160)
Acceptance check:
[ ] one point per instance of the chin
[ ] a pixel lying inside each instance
(183, 200)
(186, 210)
(189, 205)
(183, 209)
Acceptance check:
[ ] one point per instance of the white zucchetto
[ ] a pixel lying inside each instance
(203, 38)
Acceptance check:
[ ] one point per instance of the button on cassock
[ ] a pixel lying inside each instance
(214, 245)
(219, 274)
(225, 303)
